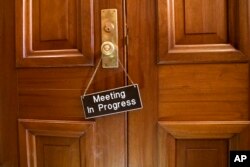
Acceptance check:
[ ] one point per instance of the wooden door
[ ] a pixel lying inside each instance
(190, 58)
(58, 45)
(50, 49)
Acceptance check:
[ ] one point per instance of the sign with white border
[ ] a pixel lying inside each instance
(112, 101)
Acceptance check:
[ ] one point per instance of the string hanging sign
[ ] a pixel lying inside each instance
(112, 101)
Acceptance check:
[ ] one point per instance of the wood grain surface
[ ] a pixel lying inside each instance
(8, 87)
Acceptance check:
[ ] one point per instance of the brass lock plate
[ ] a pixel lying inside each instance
(109, 46)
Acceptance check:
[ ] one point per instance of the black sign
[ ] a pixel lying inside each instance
(239, 158)
(112, 101)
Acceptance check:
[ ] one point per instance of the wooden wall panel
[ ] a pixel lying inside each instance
(52, 33)
(203, 92)
(205, 31)
(53, 143)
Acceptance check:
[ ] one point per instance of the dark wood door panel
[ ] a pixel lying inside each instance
(203, 92)
(54, 78)
(200, 143)
(56, 143)
(202, 14)
(204, 22)
(52, 149)
(206, 153)
(52, 93)
(55, 93)
(50, 33)
(193, 31)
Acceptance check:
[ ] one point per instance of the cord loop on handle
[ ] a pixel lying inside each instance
(96, 69)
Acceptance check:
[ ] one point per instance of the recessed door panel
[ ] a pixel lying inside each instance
(56, 143)
(206, 153)
(204, 22)
(53, 33)
(202, 31)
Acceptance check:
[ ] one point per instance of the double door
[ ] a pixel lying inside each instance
(189, 57)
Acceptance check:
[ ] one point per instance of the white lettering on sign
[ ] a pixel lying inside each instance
(112, 101)
(116, 106)
(90, 110)
(112, 96)
(240, 158)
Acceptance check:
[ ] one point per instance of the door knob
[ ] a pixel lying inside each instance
(108, 49)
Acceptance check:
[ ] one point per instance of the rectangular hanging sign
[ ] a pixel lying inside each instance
(112, 101)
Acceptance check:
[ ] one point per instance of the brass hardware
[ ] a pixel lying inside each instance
(109, 46)
(109, 27)
(108, 49)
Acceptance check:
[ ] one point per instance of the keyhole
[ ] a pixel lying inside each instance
(109, 27)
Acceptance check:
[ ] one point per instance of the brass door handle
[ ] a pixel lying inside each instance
(108, 49)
